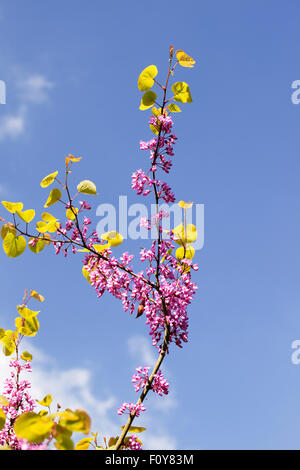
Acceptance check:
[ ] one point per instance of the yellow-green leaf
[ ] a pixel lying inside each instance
(87, 187)
(3, 401)
(48, 180)
(75, 421)
(135, 429)
(14, 246)
(84, 443)
(28, 327)
(48, 217)
(113, 238)
(86, 274)
(187, 235)
(8, 345)
(7, 228)
(53, 197)
(46, 401)
(191, 233)
(47, 238)
(51, 226)
(12, 207)
(72, 159)
(187, 252)
(99, 248)
(2, 418)
(145, 80)
(173, 108)
(27, 216)
(148, 100)
(70, 213)
(38, 247)
(26, 356)
(26, 313)
(37, 296)
(179, 234)
(64, 442)
(181, 92)
(185, 205)
(184, 59)
(33, 427)
(41, 226)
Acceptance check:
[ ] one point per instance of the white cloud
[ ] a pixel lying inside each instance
(12, 125)
(34, 89)
(140, 347)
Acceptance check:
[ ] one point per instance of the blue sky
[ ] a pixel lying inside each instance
(71, 73)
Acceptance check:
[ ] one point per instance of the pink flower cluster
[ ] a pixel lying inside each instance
(134, 443)
(130, 408)
(168, 303)
(159, 384)
(159, 147)
(20, 401)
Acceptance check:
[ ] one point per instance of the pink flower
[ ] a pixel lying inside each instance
(131, 408)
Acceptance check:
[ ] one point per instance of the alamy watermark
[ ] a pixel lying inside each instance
(2, 92)
(295, 357)
(295, 96)
(130, 217)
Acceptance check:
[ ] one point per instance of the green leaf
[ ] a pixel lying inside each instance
(38, 247)
(87, 187)
(48, 180)
(182, 93)
(26, 356)
(54, 196)
(27, 216)
(33, 427)
(148, 100)
(84, 443)
(145, 80)
(12, 207)
(14, 246)
(2, 419)
(46, 401)
(173, 108)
